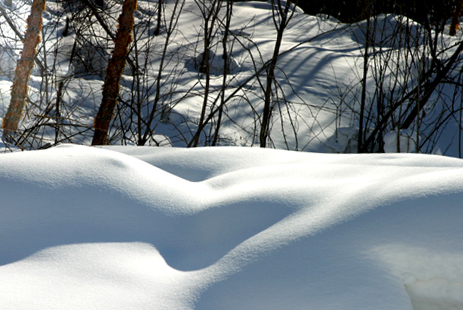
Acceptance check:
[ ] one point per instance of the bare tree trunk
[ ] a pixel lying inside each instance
(178, 7)
(23, 70)
(157, 30)
(105, 26)
(209, 15)
(113, 73)
(455, 24)
(360, 138)
(280, 19)
(226, 68)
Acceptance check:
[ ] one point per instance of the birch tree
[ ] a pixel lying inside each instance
(113, 73)
(23, 71)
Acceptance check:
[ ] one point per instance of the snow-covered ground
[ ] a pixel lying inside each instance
(229, 228)
(125, 227)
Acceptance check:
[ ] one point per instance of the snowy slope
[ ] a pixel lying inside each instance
(229, 228)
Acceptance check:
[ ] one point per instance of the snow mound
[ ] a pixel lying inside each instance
(216, 64)
(408, 140)
(390, 30)
(228, 228)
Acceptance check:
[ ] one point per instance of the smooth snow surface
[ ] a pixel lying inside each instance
(229, 228)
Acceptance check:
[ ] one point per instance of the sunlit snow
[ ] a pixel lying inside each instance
(230, 228)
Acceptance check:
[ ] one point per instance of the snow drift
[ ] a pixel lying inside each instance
(229, 228)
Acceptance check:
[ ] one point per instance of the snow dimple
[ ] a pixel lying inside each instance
(203, 238)
(107, 196)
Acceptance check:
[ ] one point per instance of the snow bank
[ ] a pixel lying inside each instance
(228, 228)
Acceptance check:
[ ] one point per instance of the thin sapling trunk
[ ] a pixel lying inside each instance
(114, 72)
(23, 70)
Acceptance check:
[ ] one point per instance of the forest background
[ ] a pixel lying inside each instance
(214, 81)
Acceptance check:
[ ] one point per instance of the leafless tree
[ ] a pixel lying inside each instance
(114, 73)
(23, 71)
(282, 12)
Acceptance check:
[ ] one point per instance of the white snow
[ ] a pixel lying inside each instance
(125, 227)
(228, 228)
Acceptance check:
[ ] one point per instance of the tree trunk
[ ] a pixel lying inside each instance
(455, 24)
(366, 11)
(157, 30)
(209, 15)
(226, 68)
(113, 73)
(23, 70)
(280, 13)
